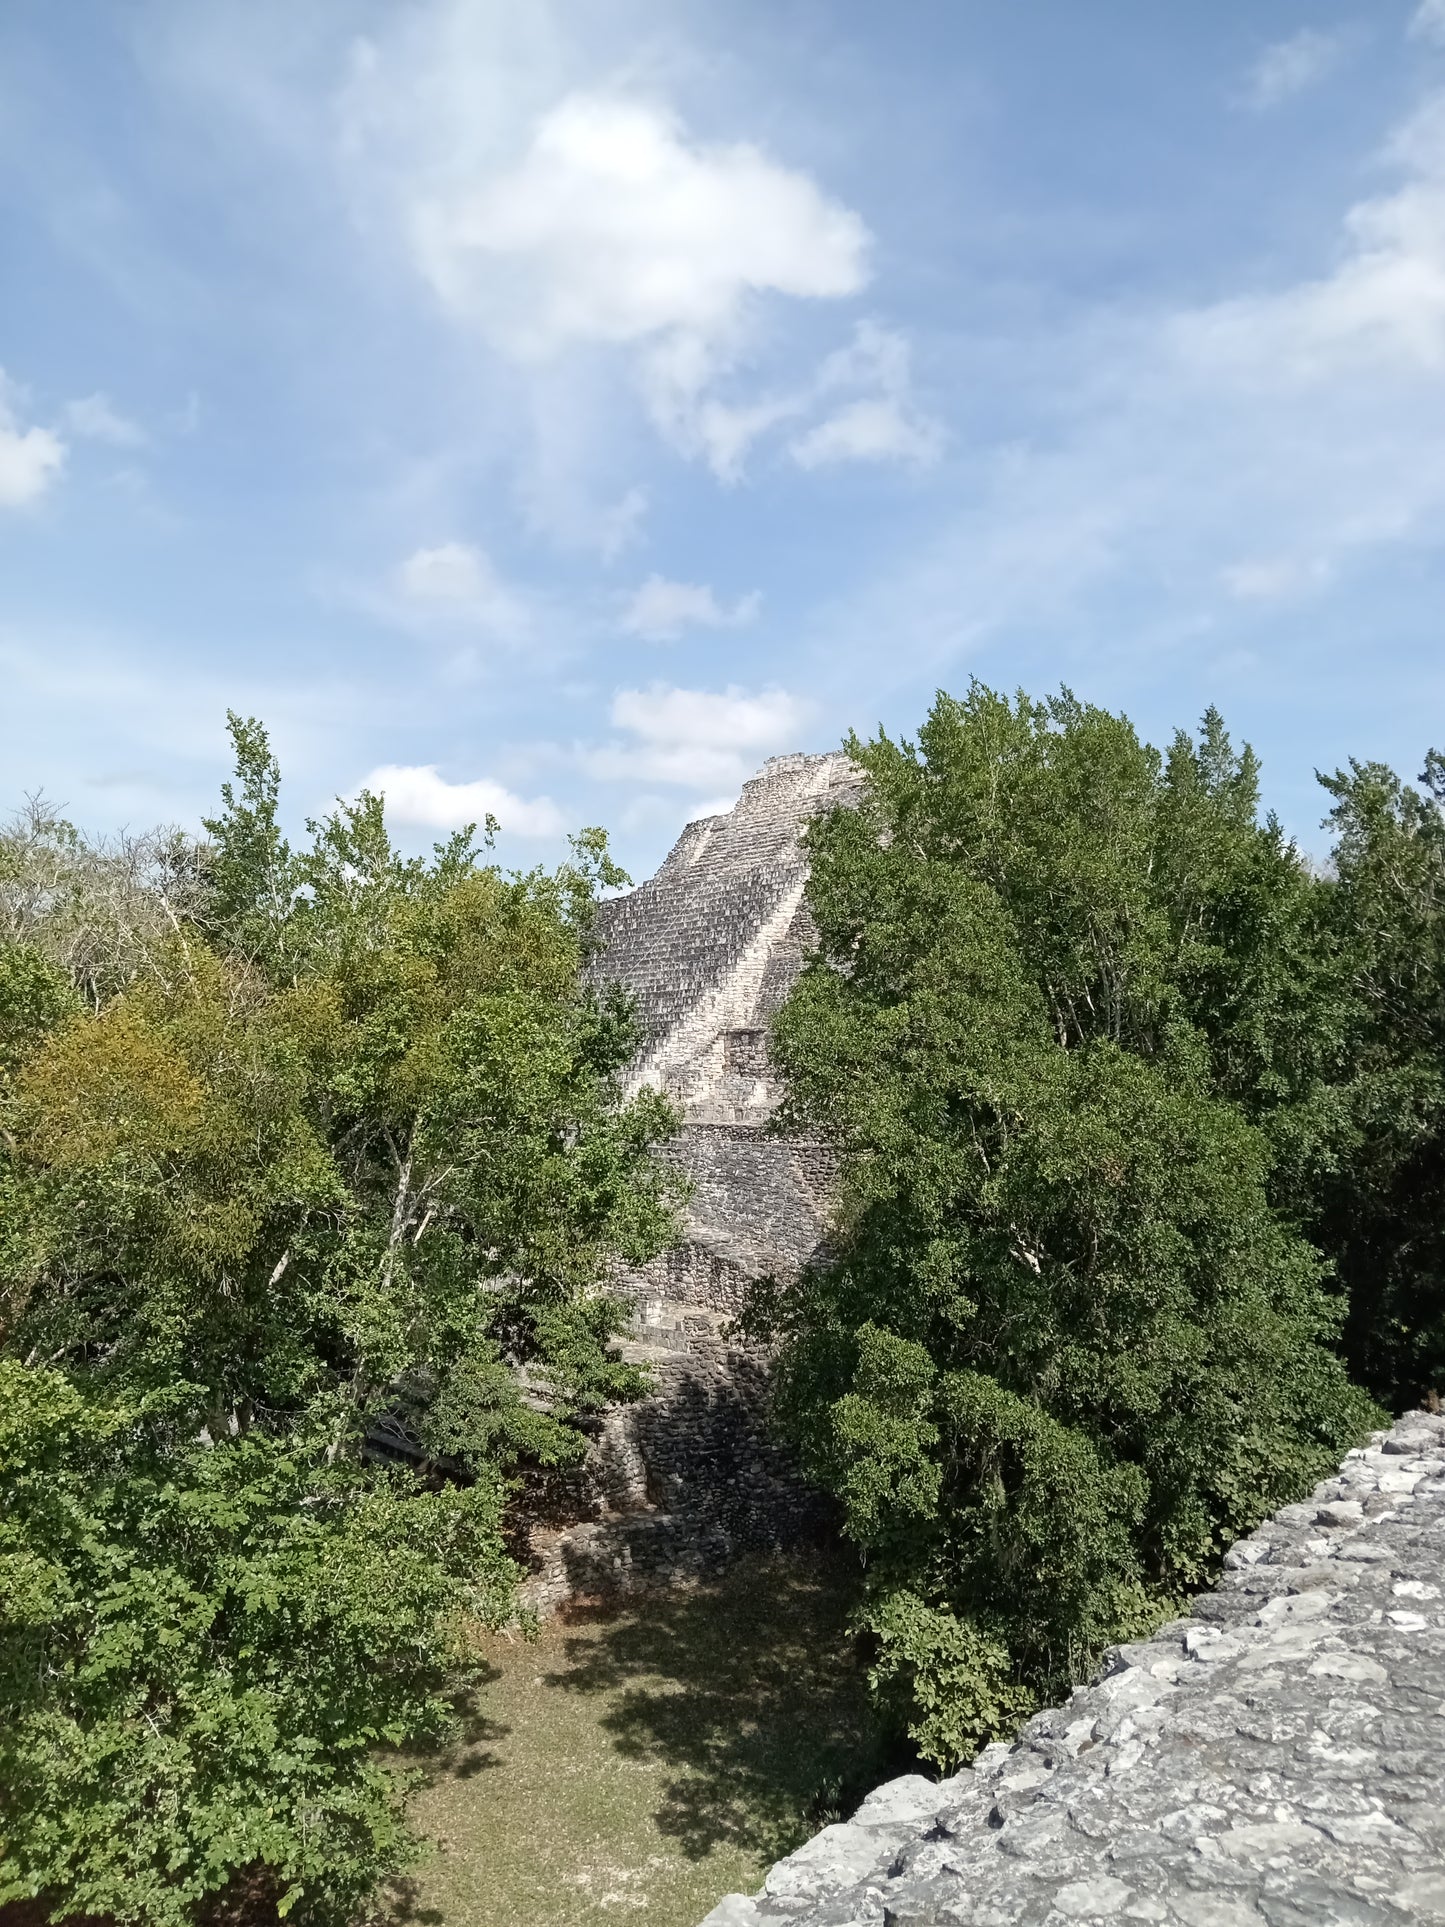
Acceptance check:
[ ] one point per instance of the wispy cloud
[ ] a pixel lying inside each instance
(1290, 67)
(882, 422)
(449, 576)
(1379, 311)
(94, 418)
(452, 591)
(860, 404)
(1276, 578)
(874, 430)
(660, 611)
(1222, 459)
(1428, 22)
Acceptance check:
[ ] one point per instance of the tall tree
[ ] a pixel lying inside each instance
(345, 1165)
(1066, 1346)
(1378, 1198)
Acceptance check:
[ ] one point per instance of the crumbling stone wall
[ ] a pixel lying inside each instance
(708, 948)
(1273, 1760)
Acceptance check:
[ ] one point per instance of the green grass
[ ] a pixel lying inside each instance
(651, 1761)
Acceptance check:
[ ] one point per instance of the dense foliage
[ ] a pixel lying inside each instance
(313, 1165)
(1079, 1026)
(304, 1154)
(1377, 1203)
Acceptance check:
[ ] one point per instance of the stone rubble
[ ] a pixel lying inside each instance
(1277, 1759)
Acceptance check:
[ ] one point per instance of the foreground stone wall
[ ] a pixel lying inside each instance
(1277, 1759)
(708, 949)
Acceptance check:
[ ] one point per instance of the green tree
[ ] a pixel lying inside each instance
(202, 1650)
(1066, 1347)
(250, 868)
(342, 1171)
(1377, 1198)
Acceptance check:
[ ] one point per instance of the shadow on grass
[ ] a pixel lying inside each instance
(469, 1751)
(752, 1688)
(405, 1908)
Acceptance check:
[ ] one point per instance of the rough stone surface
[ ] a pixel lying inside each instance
(1277, 1759)
(708, 948)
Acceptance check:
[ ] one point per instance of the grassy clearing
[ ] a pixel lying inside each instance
(650, 1761)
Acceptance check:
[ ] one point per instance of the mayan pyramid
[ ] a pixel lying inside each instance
(708, 948)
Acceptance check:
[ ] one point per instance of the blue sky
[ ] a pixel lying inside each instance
(560, 409)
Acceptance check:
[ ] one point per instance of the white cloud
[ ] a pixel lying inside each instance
(449, 594)
(876, 430)
(700, 739)
(621, 229)
(602, 223)
(524, 163)
(418, 796)
(1280, 578)
(1201, 470)
(30, 458)
(93, 417)
(1428, 21)
(660, 610)
(1293, 66)
(561, 228)
(452, 572)
(1382, 306)
(457, 584)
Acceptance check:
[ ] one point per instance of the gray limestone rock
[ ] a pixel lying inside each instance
(1274, 1760)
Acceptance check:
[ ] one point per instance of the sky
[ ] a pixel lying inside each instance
(554, 410)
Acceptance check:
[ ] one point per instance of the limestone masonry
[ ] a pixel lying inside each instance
(709, 949)
(1274, 1760)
